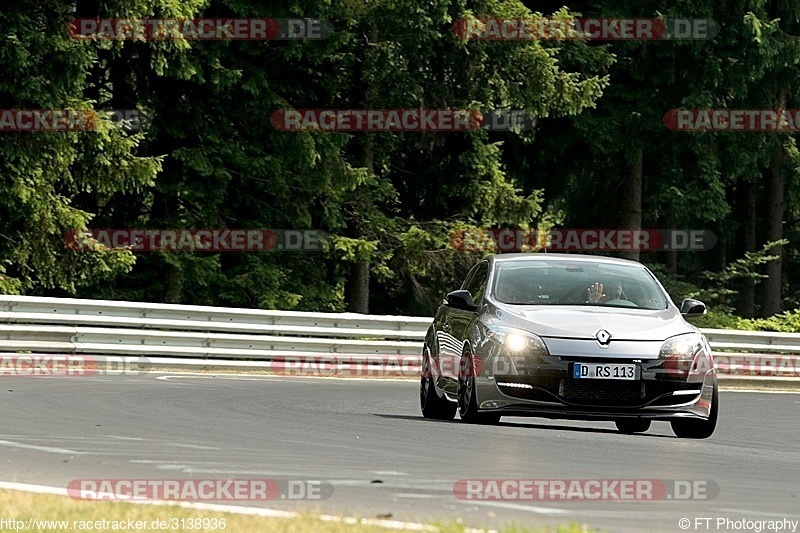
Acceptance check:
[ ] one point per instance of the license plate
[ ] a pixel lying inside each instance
(603, 371)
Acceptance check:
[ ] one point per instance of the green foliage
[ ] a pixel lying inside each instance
(426, 264)
(675, 285)
(45, 176)
(718, 289)
(390, 199)
(724, 283)
(386, 198)
(785, 322)
(722, 320)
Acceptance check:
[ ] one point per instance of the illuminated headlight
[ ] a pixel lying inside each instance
(518, 342)
(686, 356)
(681, 347)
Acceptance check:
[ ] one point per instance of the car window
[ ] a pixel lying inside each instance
(563, 283)
(470, 275)
(476, 281)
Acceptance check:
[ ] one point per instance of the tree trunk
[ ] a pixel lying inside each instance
(174, 280)
(776, 206)
(631, 199)
(672, 261)
(357, 282)
(671, 255)
(747, 306)
(357, 288)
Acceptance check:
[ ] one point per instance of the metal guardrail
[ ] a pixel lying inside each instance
(755, 353)
(103, 327)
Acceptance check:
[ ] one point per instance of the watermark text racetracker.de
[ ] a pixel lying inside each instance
(757, 364)
(199, 240)
(408, 366)
(374, 366)
(57, 365)
(347, 366)
(610, 490)
(216, 489)
(707, 523)
(585, 240)
(590, 29)
(768, 120)
(203, 29)
(71, 120)
(418, 120)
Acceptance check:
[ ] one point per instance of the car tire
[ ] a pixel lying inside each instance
(467, 400)
(431, 404)
(629, 426)
(698, 429)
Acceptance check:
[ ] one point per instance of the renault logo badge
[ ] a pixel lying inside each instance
(603, 337)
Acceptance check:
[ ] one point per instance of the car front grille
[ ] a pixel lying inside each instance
(600, 392)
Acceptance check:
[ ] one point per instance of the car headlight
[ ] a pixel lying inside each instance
(681, 347)
(686, 356)
(518, 342)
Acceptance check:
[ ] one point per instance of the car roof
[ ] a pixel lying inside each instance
(567, 258)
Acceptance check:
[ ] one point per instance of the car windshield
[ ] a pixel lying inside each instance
(578, 283)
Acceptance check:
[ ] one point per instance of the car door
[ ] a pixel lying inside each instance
(455, 326)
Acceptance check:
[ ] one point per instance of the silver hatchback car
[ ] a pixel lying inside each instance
(568, 336)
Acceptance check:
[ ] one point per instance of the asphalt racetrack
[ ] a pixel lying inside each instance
(368, 440)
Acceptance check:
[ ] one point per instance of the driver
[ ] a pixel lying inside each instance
(597, 296)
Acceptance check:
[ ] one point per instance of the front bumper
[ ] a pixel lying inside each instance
(547, 388)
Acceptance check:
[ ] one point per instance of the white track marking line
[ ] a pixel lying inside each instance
(49, 449)
(757, 391)
(745, 512)
(278, 378)
(521, 507)
(190, 446)
(253, 511)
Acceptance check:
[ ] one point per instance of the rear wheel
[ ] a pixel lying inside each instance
(632, 426)
(698, 429)
(467, 398)
(430, 403)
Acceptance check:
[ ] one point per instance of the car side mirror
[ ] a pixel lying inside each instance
(461, 299)
(691, 308)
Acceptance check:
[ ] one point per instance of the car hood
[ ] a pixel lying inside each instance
(576, 322)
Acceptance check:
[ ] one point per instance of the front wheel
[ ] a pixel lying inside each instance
(467, 397)
(698, 429)
(430, 403)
